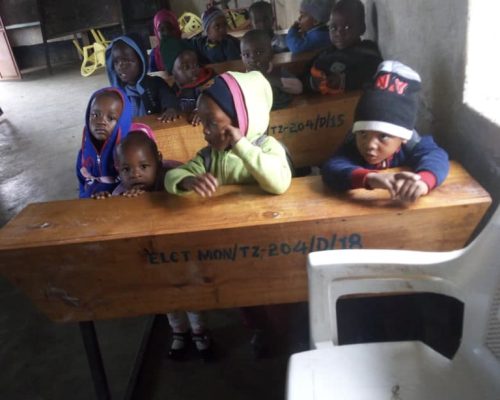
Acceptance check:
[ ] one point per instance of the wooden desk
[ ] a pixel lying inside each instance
(312, 127)
(82, 260)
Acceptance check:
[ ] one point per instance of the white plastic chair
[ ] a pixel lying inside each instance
(407, 370)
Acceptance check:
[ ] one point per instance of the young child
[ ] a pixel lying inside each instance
(107, 121)
(126, 65)
(261, 17)
(189, 78)
(140, 165)
(384, 137)
(234, 112)
(216, 45)
(350, 62)
(310, 31)
(256, 53)
(166, 28)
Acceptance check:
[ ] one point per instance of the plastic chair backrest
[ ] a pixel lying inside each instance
(471, 275)
(190, 23)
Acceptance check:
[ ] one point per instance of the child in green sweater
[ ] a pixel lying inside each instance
(234, 111)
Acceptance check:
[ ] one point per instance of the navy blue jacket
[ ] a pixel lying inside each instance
(347, 167)
(228, 49)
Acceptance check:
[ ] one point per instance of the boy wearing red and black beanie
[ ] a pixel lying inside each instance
(383, 136)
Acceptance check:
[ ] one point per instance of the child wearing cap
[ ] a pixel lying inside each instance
(215, 45)
(349, 62)
(310, 31)
(384, 136)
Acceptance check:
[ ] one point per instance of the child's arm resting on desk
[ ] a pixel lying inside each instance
(267, 163)
(192, 169)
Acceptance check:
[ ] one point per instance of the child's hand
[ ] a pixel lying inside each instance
(194, 119)
(409, 186)
(234, 134)
(100, 195)
(205, 185)
(134, 192)
(375, 180)
(169, 115)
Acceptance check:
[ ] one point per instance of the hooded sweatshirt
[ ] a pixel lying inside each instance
(256, 157)
(150, 94)
(95, 169)
(162, 16)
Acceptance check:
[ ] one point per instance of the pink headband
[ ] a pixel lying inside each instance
(238, 100)
(139, 126)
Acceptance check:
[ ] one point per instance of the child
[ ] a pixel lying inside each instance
(216, 45)
(140, 165)
(256, 53)
(190, 81)
(107, 120)
(234, 112)
(384, 137)
(261, 17)
(167, 28)
(349, 62)
(126, 65)
(310, 31)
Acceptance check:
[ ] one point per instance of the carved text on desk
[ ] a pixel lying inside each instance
(322, 121)
(246, 250)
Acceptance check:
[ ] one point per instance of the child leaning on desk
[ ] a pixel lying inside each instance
(383, 136)
(234, 111)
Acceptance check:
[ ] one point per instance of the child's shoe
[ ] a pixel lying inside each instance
(179, 345)
(204, 345)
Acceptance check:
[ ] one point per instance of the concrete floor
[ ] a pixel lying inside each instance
(40, 132)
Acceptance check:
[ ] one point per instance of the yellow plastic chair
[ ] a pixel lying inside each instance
(93, 57)
(99, 37)
(190, 24)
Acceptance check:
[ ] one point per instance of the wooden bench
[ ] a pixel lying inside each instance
(312, 127)
(82, 260)
(295, 63)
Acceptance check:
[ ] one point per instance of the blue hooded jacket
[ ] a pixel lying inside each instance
(150, 95)
(95, 169)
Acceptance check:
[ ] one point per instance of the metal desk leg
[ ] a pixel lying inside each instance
(96, 365)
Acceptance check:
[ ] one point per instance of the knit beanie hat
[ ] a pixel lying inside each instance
(318, 9)
(390, 104)
(209, 15)
(221, 94)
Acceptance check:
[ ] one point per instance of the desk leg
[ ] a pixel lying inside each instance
(94, 357)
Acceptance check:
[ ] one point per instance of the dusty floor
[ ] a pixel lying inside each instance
(40, 132)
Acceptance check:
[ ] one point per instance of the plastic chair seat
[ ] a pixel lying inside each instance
(387, 371)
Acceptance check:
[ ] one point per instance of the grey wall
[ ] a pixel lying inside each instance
(430, 36)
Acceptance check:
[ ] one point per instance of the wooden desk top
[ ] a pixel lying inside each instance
(88, 259)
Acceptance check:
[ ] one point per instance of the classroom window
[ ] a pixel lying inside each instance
(482, 82)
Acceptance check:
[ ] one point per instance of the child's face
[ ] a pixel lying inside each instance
(256, 55)
(344, 30)
(186, 68)
(104, 114)
(376, 147)
(214, 122)
(217, 29)
(306, 22)
(261, 19)
(138, 167)
(126, 63)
